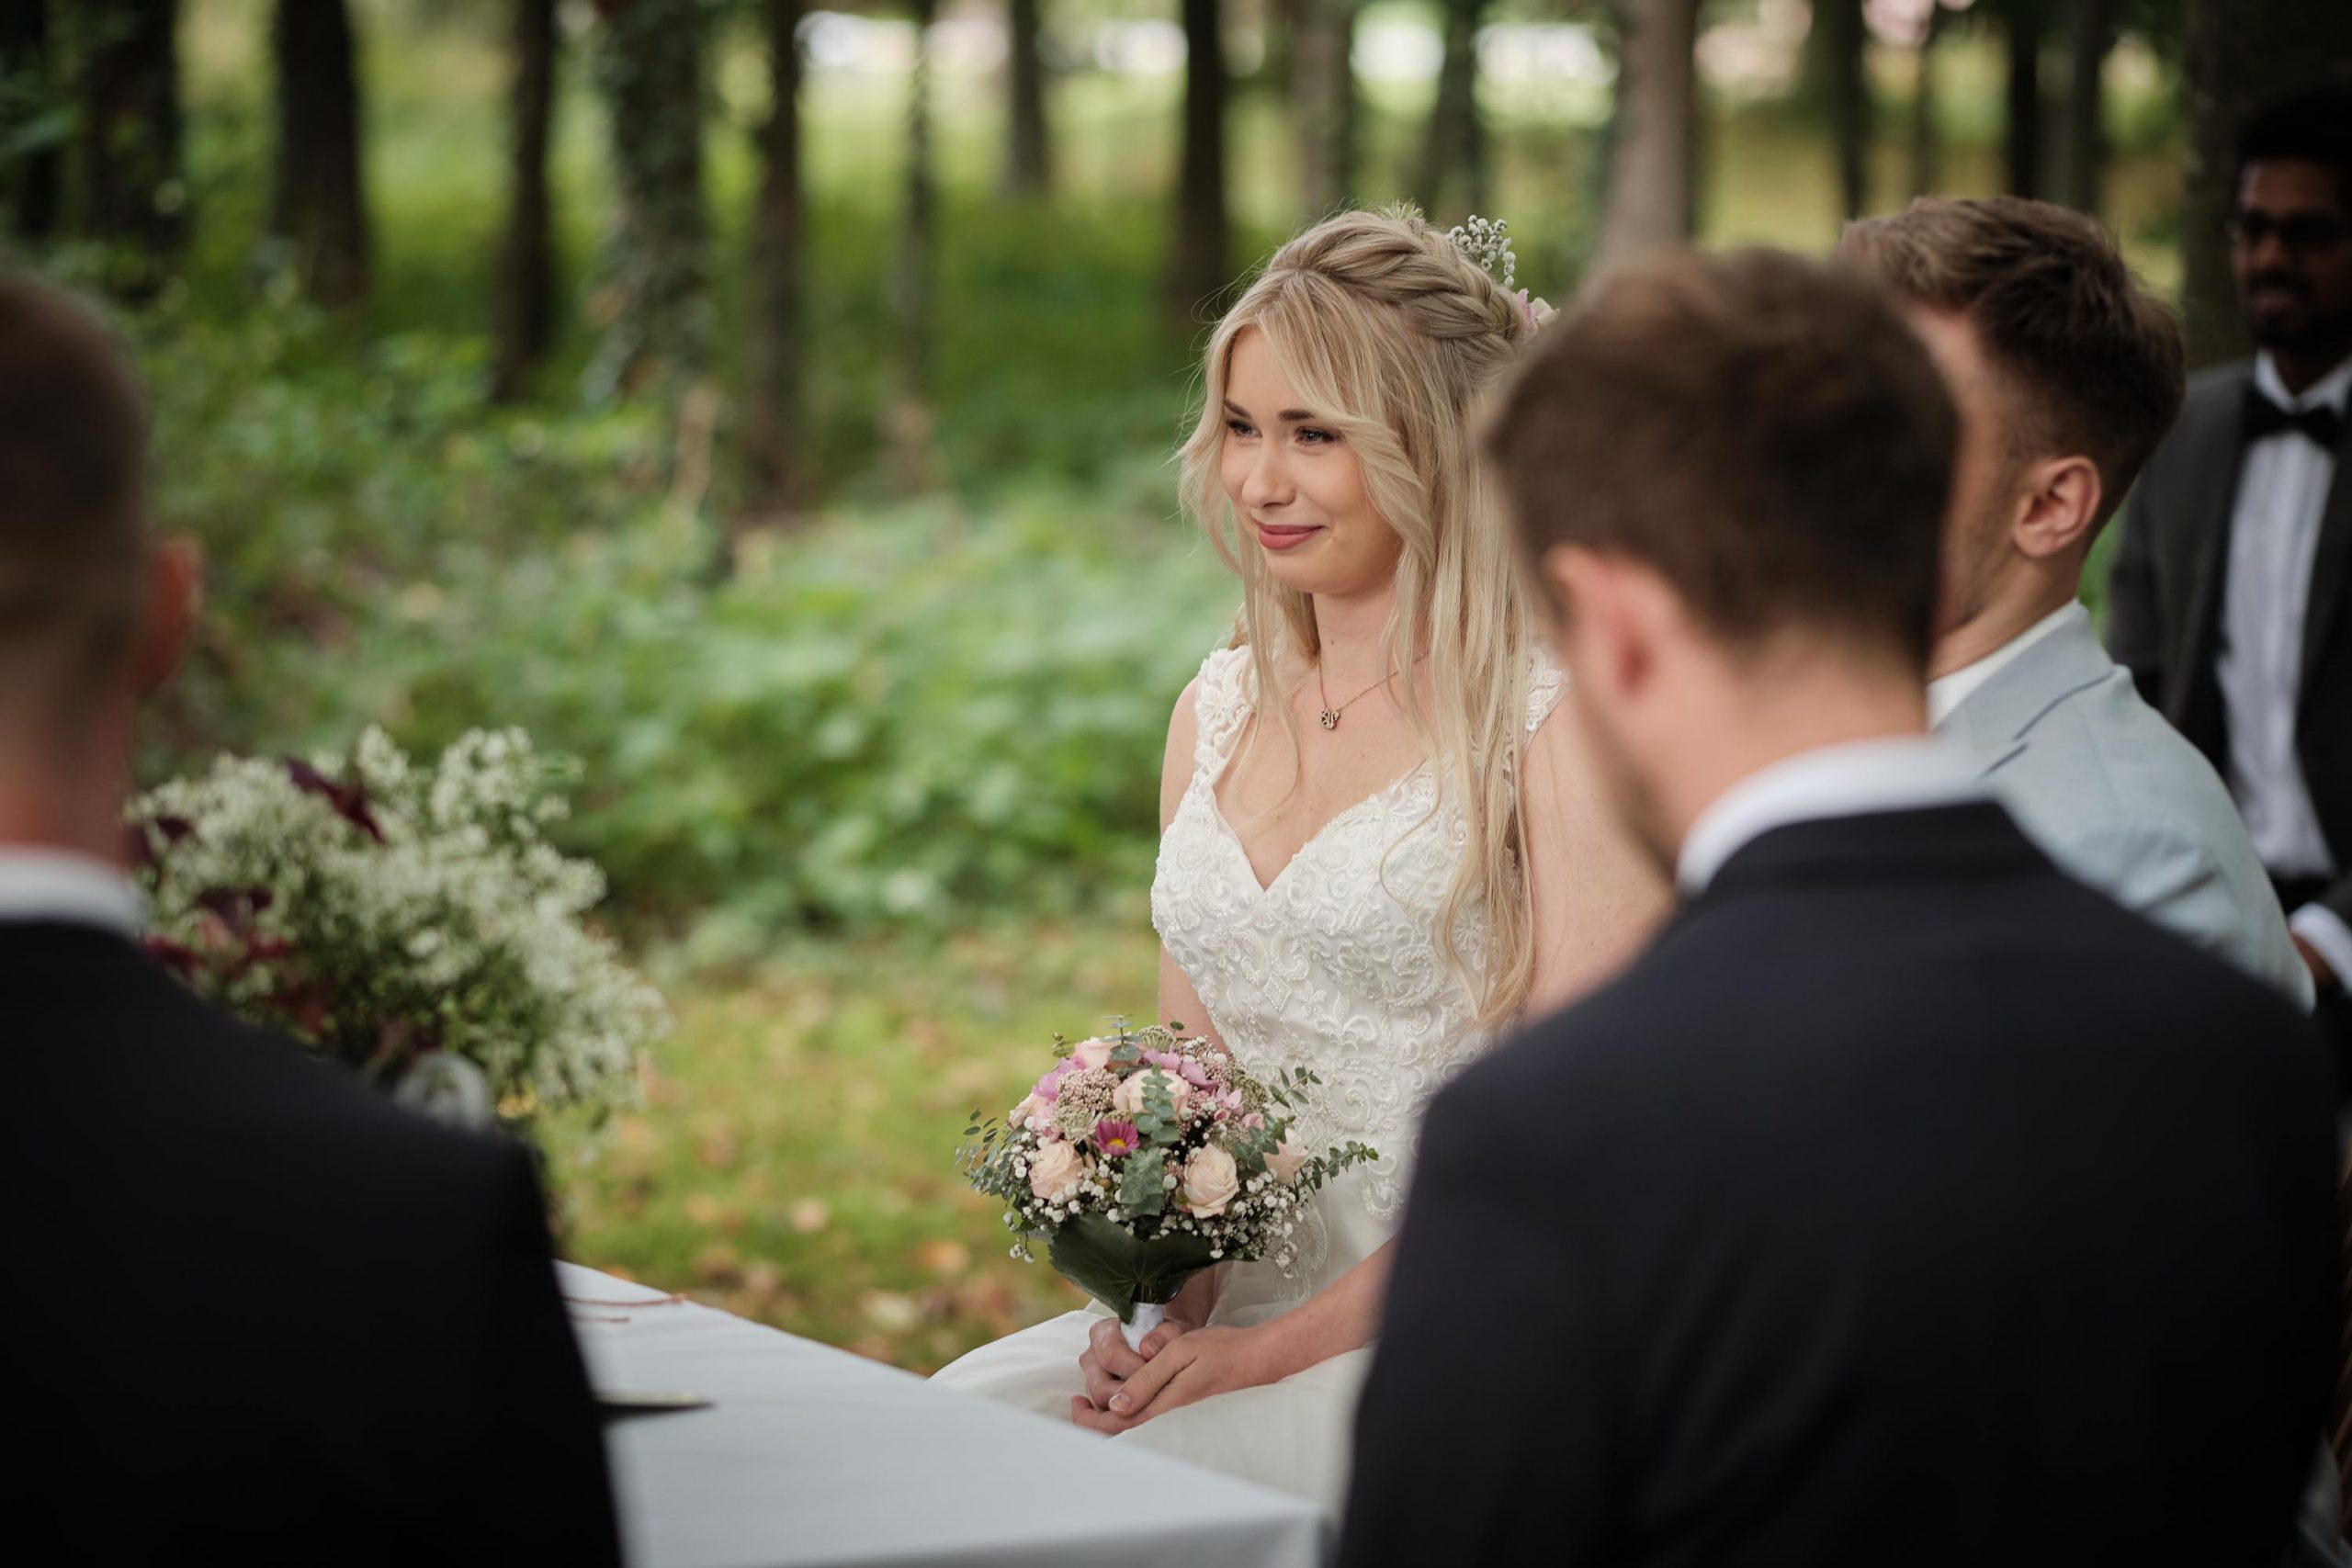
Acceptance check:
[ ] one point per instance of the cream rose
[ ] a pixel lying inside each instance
(1286, 1161)
(1129, 1101)
(1093, 1053)
(1055, 1170)
(1211, 1180)
(1020, 1115)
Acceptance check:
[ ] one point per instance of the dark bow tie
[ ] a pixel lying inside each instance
(2319, 421)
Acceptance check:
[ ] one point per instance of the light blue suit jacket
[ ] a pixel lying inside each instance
(2116, 796)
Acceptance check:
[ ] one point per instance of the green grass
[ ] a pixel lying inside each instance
(794, 1161)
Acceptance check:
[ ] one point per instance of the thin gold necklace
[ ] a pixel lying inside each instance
(1329, 719)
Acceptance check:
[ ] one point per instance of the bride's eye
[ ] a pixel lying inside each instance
(1313, 437)
(1240, 429)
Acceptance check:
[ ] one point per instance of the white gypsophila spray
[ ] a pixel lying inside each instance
(379, 910)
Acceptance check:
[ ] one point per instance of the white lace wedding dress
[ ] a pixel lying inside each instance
(1332, 966)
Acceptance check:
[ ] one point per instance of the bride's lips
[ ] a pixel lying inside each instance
(1281, 538)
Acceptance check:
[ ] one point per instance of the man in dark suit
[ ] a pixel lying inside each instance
(2227, 601)
(255, 1311)
(1906, 1202)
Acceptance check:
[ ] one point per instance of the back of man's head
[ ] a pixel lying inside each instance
(2091, 360)
(72, 518)
(1761, 431)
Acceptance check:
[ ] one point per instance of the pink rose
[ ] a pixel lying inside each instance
(1127, 1098)
(1286, 1161)
(1054, 1169)
(1093, 1054)
(1211, 1181)
(1031, 1109)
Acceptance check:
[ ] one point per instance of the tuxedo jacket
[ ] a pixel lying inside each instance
(1905, 1204)
(255, 1311)
(2165, 596)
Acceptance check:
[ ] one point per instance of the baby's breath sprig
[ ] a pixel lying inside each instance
(1487, 241)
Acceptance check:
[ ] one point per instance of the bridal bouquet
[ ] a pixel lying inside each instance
(407, 919)
(1142, 1158)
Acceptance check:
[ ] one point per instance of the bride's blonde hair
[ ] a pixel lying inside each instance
(1392, 335)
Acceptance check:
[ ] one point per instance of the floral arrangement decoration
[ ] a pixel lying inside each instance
(409, 921)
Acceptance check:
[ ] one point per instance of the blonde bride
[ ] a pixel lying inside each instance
(1381, 841)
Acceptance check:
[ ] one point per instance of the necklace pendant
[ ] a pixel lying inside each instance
(1330, 720)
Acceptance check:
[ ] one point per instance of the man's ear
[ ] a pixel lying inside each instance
(167, 623)
(1602, 627)
(2060, 504)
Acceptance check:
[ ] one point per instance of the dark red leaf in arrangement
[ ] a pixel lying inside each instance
(173, 956)
(176, 829)
(350, 801)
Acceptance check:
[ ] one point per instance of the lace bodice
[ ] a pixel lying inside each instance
(1333, 967)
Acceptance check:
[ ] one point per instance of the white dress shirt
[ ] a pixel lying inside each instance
(1897, 774)
(1948, 691)
(60, 884)
(2273, 535)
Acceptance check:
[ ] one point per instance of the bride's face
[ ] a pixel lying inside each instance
(1296, 485)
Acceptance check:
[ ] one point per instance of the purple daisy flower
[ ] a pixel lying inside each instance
(1115, 1139)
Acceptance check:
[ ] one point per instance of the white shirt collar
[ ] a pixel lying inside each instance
(2335, 389)
(1897, 774)
(1948, 691)
(63, 885)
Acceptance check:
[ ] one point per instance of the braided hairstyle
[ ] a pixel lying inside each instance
(1396, 337)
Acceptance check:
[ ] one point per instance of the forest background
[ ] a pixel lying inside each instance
(772, 408)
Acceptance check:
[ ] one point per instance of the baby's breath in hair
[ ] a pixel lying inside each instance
(1487, 241)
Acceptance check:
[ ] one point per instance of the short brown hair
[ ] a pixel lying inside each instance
(1763, 431)
(2095, 356)
(73, 520)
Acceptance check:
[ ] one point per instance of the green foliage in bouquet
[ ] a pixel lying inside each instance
(394, 915)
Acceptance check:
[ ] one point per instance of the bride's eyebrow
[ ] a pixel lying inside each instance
(1288, 416)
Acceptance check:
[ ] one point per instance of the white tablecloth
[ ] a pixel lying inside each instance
(810, 1455)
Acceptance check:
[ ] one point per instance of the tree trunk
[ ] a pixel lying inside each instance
(317, 207)
(1839, 39)
(1454, 174)
(1278, 67)
(1201, 264)
(648, 64)
(2091, 33)
(133, 193)
(2241, 54)
(1028, 170)
(526, 260)
(1923, 106)
(910, 273)
(1653, 167)
(1324, 89)
(2026, 23)
(773, 452)
(29, 96)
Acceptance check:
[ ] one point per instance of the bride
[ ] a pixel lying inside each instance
(1381, 842)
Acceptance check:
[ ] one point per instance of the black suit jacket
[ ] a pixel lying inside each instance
(2164, 599)
(1905, 1204)
(256, 1313)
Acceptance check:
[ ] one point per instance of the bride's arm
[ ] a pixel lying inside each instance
(1178, 1003)
(1597, 897)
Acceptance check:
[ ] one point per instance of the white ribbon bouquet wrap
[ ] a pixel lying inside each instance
(1143, 1157)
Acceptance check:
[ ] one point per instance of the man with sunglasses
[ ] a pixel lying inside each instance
(2228, 600)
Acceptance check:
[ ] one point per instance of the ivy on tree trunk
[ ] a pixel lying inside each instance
(656, 293)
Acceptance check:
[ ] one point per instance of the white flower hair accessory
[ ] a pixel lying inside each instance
(1486, 242)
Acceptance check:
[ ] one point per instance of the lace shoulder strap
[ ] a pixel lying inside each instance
(1220, 708)
(1545, 681)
